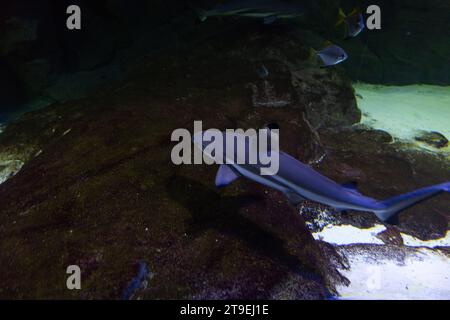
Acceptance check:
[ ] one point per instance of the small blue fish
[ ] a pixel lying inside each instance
(354, 22)
(136, 283)
(357, 27)
(332, 55)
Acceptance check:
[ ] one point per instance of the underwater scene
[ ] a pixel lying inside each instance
(225, 150)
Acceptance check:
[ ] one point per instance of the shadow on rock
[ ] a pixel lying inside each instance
(209, 209)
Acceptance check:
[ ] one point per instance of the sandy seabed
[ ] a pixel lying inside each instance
(404, 111)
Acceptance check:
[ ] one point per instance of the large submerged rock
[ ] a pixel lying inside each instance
(98, 188)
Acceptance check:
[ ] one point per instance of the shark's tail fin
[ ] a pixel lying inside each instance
(201, 14)
(393, 206)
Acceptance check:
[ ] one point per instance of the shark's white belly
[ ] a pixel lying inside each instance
(283, 185)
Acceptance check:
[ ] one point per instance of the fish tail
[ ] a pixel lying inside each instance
(327, 43)
(393, 206)
(354, 12)
(201, 13)
(313, 56)
(341, 17)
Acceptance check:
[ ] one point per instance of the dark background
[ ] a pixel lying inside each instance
(41, 59)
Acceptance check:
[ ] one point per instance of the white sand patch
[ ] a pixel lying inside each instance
(414, 274)
(415, 242)
(415, 270)
(347, 234)
(404, 111)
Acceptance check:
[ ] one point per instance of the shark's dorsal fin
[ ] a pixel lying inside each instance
(225, 176)
(294, 198)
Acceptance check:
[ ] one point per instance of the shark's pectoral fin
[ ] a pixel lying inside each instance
(270, 19)
(294, 198)
(225, 176)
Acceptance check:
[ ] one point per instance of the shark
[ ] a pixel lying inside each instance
(269, 10)
(299, 182)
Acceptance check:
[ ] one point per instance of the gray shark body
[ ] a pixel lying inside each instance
(300, 182)
(270, 10)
